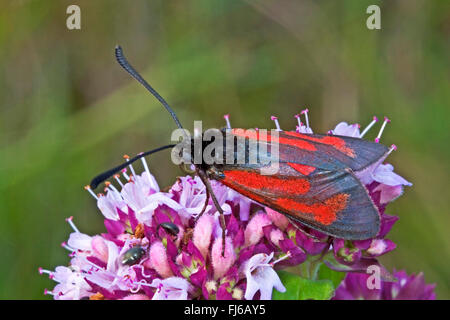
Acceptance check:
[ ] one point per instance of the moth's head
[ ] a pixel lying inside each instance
(183, 155)
(200, 151)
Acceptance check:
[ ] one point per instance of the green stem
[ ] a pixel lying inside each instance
(310, 268)
(314, 268)
(304, 269)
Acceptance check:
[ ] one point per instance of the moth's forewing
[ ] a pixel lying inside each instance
(324, 152)
(315, 183)
(354, 153)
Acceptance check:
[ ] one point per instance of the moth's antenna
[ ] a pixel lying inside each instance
(105, 175)
(128, 68)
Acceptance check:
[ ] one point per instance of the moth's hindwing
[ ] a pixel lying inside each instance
(333, 202)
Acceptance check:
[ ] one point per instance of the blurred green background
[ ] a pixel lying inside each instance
(68, 111)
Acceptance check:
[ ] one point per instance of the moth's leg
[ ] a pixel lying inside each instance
(205, 205)
(187, 169)
(205, 180)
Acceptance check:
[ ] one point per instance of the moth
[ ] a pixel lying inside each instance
(317, 183)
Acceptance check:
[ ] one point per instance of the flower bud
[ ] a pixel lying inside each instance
(277, 218)
(158, 259)
(380, 246)
(202, 234)
(100, 248)
(220, 263)
(275, 236)
(254, 230)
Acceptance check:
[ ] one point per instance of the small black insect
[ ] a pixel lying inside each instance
(133, 255)
(170, 227)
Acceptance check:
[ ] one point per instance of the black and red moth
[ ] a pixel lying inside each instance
(317, 183)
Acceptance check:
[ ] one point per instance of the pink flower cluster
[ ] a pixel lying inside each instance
(407, 287)
(157, 247)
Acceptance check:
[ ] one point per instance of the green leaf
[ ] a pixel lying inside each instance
(326, 273)
(292, 284)
(298, 288)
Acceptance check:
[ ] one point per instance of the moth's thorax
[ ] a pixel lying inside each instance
(214, 149)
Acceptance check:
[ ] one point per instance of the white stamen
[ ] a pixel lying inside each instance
(275, 119)
(118, 180)
(298, 120)
(136, 289)
(112, 187)
(41, 271)
(48, 292)
(284, 257)
(227, 120)
(138, 284)
(386, 120)
(69, 220)
(144, 162)
(265, 265)
(67, 247)
(305, 112)
(124, 173)
(88, 188)
(392, 148)
(127, 158)
(142, 269)
(375, 120)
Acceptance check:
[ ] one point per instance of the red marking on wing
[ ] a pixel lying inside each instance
(323, 213)
(254, 135)
(335, 142)
(257, 181)
(298, 144)
(302, 168)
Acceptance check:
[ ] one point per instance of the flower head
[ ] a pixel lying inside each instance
(157, 247)
(407, 287)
